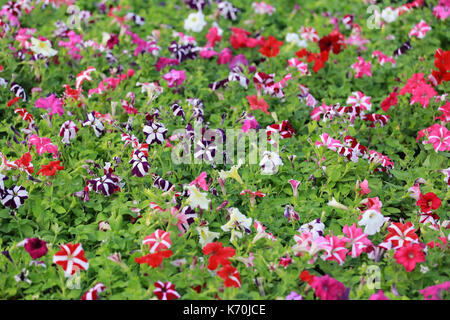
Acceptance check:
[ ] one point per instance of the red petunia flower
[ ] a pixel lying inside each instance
(409, 256)
(36, 248)
(334, 41)
(305, 276)
(50, 169)
(271, 47)
(165, 291)
(258, 104)
(219, 254)
(428, 202)
(230, 275)
(71, 258)
(154, 259)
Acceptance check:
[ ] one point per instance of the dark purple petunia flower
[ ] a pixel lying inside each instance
(36, 248)
(108, 184)
(95, 123)
(162, 184)
(155, 132)
(177, 110)
(228, 10)
(140, 164)
(14, 197)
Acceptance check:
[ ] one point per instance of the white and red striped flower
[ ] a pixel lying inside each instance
(158, 240)
(401, 234)
(359, 99)
(93, 293)
(420, 30)
(165, 291)
(309, 34)
(84, 75)
(71, 258)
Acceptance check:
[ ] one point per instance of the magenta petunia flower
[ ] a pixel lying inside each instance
(362, 68)
(174, 78)
(328, 288)
(43, 145)
(51, 103)
(36, 248)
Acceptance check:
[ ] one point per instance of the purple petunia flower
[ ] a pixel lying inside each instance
(155, 132)
(140, 164)
(14, 197)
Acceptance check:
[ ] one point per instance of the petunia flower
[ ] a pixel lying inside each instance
(68, 131)
(363, 187)
(155, 132)
(43, 47)
(165, 291)
(401, 234)
(378, 296)
(435, 292)
(36, 248)
(51, 103)
(359, 99)
(224, 56)
(362, 68)
(14, 197)
(237, 224)
(333, 203)
(158, 240)
(290, 213)
(232, 173)
(43, 144)
(258, 104)
(294, 184)
(219, 255)
(270, 162)
(249, 123)
(337, 250)
(50, 169)
(140, 164)
(154, 259)
(200, 181)
(163, 62)
(71, 258)
(316, 227)
(328, 288)
(195, 22)
(439, 137)
(174, 78)
(271, 47)
(230, 275)
(372, 220)
(428, 202)
(389, 101)
(94, 292)
(93, 121)
(357, 240)
(420, 30)
(206, 236)
(197, 198)
(409, 256)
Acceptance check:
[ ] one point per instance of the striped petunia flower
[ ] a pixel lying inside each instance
(14, 197)
(140, 164)
(158, 240)
(165, 291)
(71, 258)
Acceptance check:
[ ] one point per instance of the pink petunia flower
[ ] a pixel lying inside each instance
(174, 77)
(439, 137)
(200, 181)
(359, 99)
(43, 145)
(420, 30)
(357, 240)
(409, 256)
(338, 250)
(362, 68)
(422, 94)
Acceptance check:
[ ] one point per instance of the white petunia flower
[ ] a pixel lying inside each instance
(372, 220)
(197, 198)
(195, 22)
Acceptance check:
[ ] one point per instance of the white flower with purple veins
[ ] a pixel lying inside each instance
(237, 224)
(95, 123)
(140, 164)
(270, 162)
(68, 131)
(14, 197)
(316, 227)
(155, 132)
(205, 150)
(228, 10)
(290, 213)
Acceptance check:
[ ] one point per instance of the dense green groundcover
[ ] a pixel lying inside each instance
(53, 212)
